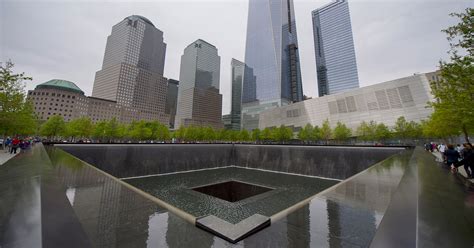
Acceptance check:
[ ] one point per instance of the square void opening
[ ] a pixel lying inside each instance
(232, 191)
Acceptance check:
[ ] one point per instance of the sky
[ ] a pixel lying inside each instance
(66, 39)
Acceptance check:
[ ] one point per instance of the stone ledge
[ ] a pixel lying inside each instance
(233, 232)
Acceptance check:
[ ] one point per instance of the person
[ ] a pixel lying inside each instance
(442, 150)
(468, 161)
(8, 144)
(15, 145)
(452, 156)
(459, 148)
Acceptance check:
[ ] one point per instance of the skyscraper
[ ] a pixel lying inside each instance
(199, 101)
(237, 76)
(334, 48)
(272, 75)
(132, 70)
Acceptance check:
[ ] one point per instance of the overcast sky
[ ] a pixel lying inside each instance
(66, 39)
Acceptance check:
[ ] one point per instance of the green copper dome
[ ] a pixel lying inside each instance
(61, 84)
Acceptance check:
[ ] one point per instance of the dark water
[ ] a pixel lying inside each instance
(176, 189)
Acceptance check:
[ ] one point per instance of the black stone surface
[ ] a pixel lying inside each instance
(352, 214)
(232, 191)
(125, 161)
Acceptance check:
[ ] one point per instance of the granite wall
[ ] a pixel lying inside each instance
(139, 160)
(323, 161)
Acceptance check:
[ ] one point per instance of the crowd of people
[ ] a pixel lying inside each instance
(455, 156)
(12, 144)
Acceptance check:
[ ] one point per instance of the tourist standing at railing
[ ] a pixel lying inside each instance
(15, 145)
(442, 150)
(452, 156)
(468, 161)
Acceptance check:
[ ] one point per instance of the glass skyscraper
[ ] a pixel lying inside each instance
(334, 49)
(199, 101)
(237, 77)
(132, 70)
(272, 74)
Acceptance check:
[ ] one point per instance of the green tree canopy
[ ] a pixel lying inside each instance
(256, 134)
(282, 134)
(16, 113)
(341, 131)
(325, 131)
(305, 133)
(53, 127)
(267, 134)
(382, 132)
(454, 92)
(81, 128)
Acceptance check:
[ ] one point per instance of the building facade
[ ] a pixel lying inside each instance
(58, 97)
(384, 102)
(199, 101)
(132, 70)
(237, 77)
(336, 64)
(172, 100)
(272, 75)
(64, 98)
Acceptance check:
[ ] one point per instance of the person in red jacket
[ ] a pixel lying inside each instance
(15, 145)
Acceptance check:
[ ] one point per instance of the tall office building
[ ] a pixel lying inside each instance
(199, 101)
(172, 100)
(334, 49)
(272, 76)
(132, 70)
(237, 76)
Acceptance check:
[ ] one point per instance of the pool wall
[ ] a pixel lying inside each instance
(125, 161)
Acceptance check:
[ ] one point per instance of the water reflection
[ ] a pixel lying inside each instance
(112, 214)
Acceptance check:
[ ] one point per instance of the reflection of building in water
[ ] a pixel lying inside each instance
(182, 234)
(108, 212)
(276, 235)
(301, 216)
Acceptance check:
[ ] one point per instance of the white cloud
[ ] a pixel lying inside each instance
(66, 39)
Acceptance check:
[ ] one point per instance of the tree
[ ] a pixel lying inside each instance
(180, 134)
(454, 92)
(342, 132)
(140, 131)
(99, 130)
(81, 127)
(382, 132)
(305, 133)
(267, 134)
(112, 129)
(282, 134)
(256, 135)
(16, 113)
(244, 135)
(325, 131)
(315, 134)
(401, 128)
(53, 127)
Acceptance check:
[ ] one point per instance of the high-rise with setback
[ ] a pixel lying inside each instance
(132, 70)
(199, 101)
(334, 48)
(272, 75)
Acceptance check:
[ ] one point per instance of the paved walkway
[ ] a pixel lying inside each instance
(4, 156)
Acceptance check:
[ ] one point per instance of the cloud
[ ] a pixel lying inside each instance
(66, 39)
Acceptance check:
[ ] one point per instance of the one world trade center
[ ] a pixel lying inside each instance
(272, 75)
